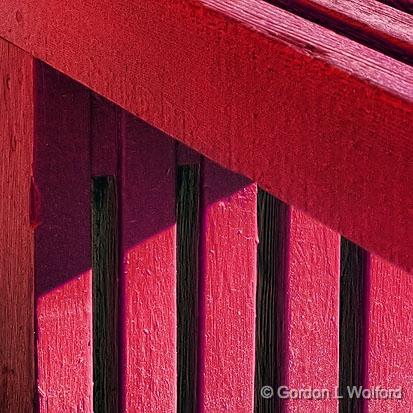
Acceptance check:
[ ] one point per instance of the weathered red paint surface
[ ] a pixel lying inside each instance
(148, 273)
(62, 244)
(16, 233)
(389, 358)
(312, 291)
(320, 121)
(227, 292)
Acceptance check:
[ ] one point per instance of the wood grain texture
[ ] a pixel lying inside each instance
(227, 292)
(148, 317)
(390, 363)
(353, 324)
(262, 92)
(366, 21)
(105, 266)
(313, 312)
(63, 283)
(271, 321)
(16, 234)
(403, 5)
(187, 215)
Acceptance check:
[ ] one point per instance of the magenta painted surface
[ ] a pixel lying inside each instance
(63, 289)
(148, 275)
(227, 292)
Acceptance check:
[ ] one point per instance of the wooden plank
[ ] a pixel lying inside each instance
(255, 88)
(273, 221)
(353, 324)
(105, 266)
(187, 215)
(16, 235)
(390, 364)
(63, 283)
(369, 22)
(312, 291)
(227, 292)
(148, 317)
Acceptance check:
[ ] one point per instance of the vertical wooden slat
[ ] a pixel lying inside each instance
(187, 213)
(105, 294)
(16, 235)
(313, 312)
(353, 324)
(227, 292)
(148, 278)
(390, 363)
(271, 320)
(63, 244)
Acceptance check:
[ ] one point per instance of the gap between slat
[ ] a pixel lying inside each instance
(105, 263)
(187, 211)
(270, 322)
(353, 325)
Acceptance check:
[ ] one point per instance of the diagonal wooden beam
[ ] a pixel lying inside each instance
(318, 120)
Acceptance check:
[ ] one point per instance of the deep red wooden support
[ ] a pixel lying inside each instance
(16, 233)
(312, 308)
(261, 91)
(390, 362)
(62, 244)
(227, 292)
(147, 279)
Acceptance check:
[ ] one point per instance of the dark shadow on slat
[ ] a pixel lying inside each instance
(187, 211)
(271, 322)
(353, 324)
(105, 294)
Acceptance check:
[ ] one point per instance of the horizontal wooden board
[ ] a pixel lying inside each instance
(323, 123)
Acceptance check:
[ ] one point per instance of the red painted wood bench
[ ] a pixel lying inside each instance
(206, 206)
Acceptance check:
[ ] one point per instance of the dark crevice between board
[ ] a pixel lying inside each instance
(271, 301)
(187, 212)
(351, 29)
(402, 5)
(105, 259)
(353, 324)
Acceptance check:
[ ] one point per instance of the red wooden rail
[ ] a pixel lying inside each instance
(315, 118)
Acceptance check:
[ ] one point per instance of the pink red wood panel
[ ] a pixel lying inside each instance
(16, 234)
(312, 304)
(148, 275)
(389, 360)
(62, 244)
(319, 120)
(227, 291)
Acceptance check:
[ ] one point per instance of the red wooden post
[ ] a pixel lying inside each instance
(312, 290)
(390, 362)
(147, 280)
(16, 234)
(228, 278)
(63, 247)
